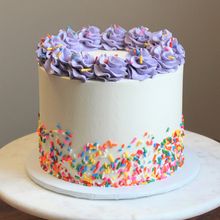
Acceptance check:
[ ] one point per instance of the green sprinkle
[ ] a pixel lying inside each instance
(118, 166)
(77, 177)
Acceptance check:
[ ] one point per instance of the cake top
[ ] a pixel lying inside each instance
(115, 54)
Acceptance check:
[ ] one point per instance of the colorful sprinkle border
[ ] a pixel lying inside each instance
(141, 161)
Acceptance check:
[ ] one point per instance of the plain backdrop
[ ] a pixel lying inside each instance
(196, 23)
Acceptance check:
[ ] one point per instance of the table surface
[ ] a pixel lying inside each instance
(197, 197)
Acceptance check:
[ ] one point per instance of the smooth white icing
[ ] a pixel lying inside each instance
(119, 111)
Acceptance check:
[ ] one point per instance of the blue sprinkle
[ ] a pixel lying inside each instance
(101, 169)
(95, 144)
(117, 159)
(84, 170)
(68, 132)
(86, 158)
(95, 175)
(112, 165)
(58, 126)
(93, 168)
(78, 167)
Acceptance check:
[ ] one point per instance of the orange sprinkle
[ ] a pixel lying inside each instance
(145, 134)
(148, 143)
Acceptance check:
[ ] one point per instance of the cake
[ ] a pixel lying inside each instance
(110, 106)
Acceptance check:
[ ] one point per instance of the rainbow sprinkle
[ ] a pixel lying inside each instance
(140, 162)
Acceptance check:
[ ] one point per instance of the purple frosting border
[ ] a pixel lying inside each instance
(149, 53)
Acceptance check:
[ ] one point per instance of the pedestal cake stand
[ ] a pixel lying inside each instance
(198, 194)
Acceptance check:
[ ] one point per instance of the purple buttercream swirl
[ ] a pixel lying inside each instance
(70, 40)
(82, 67)
(111, 68)
(113, 38)
(177, 49)
(141, 64)
(58, 62)
(161, 37)
(166, 58)
(138, 37)
(90, 38)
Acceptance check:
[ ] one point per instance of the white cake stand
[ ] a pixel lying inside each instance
(197, 197)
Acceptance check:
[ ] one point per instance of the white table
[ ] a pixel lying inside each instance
(199, 196)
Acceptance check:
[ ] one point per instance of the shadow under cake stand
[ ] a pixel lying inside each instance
(200, 195)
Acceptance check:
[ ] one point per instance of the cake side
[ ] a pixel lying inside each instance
(114, 133)
(97, 111)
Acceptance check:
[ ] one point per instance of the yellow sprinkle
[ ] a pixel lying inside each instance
(177, 132)
(111, 159)
(59, 54)
(85, 70)
(107, 171)
(50, 48)
(59, 45)
(171, 57)
(87, 179)
(92, 147)
(141, 59)
(179, 148)
(92, 160)
(139, 143)
(105, 165)
(146, 44)
(100, 152)
(126, 154)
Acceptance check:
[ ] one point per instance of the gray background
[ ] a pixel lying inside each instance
(24, 22)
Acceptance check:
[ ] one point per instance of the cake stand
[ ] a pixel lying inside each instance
(197, 197)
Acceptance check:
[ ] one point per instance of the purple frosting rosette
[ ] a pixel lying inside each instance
(166, 58)
(161, 37)
(138, 37)
(141, 65)
(58, 62)
(46, 47)
(82, 67)
(177, 49)
(70, 40)
(90, 38)
(111, 68)
(113, 38)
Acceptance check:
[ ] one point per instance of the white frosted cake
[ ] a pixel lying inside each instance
(111, 106)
